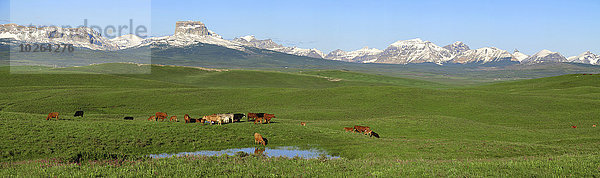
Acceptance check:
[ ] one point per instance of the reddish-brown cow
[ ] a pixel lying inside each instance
(52, 115)
(161, 115)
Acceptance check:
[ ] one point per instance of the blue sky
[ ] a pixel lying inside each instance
(569, 27)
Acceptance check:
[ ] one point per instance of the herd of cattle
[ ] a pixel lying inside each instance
(228, 118)
(216, 118)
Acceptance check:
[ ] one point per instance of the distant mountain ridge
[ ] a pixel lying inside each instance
(194, 32)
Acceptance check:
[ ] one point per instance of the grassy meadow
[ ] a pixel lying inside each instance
(516, 128)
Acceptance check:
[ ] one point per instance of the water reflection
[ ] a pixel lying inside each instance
(289, 152)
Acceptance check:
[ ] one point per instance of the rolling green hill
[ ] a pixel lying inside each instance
(520, 128)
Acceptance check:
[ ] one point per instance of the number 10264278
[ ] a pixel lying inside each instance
(53, 48)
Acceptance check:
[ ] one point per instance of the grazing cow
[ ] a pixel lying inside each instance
(258, 139)
(161, 115)
(361, 129)
(187, 118)
(259, 151)
(259, 120)
(78, 113)
(574, 127)
(268, 117)
(238, 117)
(52, 115)
(128, 118)
(303, 123)
(213, 118)
(254, 115)
(152, 118)
(373, 134)
(349, 129)
(173, 118)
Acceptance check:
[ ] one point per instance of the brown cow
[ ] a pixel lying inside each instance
(254, 115)
(152, 118)
(186, 117)
(259, 120)
(173, 118)
(52, 115)
(349, 129)
(361, 129)
(161, 115)
(268, 117)
(258, 139)
(303, 123)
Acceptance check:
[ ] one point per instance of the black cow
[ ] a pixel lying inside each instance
(373, 134)
(78, 113)
(238, 117)
(128, 118)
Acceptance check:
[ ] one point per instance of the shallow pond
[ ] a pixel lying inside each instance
(269, 152)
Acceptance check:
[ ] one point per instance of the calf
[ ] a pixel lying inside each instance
(52, 115)
(373, 134)
(303, 123)
(78, 113)
(594, 125)
(258, 139)
(574, 127)
(128, 118)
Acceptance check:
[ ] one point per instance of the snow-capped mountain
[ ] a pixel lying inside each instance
(482, 55)
(127, 41)
(457, 47)
(252, 41)
(270, 45)
(519, 56)
(190, 33)
(586, 58)
(363, 55)
(545, 56)
(414, 51)
(80, 37)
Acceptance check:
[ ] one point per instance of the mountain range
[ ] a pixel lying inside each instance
(188, 33)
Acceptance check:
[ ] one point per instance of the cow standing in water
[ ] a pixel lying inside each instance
(52, 115)
(259, 151)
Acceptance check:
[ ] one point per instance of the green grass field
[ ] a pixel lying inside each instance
(517, 128)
